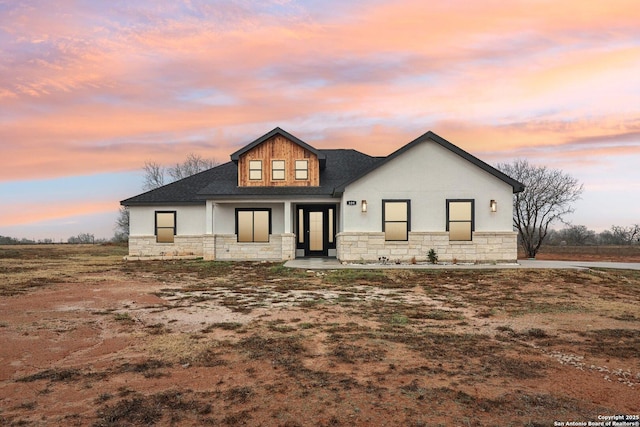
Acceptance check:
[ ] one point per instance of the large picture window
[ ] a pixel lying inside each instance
(253, 225)
(255, 170)
(460, 219)
(396, 219)
(165, 226)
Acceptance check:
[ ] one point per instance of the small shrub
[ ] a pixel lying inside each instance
(537, 333)
(432, 256)
(53, 375)
(123, 317)
(239, 394)
(135, 411)
(398, 319)
(227, 326)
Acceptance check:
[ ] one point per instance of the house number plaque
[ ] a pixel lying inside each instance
(351, 203)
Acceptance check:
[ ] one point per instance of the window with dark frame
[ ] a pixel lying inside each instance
(396, 219)
(331, 227)
(253, 225)
(278, 170)
(460, 219)
(255, 170)
(300, 226)
(165, 226)
(302, 169)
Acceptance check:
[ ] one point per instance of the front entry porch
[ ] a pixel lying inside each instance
(315, 230)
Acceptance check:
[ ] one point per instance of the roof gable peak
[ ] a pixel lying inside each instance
(432, 136)
(279, 131)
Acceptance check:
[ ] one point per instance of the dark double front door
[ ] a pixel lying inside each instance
(316, 229)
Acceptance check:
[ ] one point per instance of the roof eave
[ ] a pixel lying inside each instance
(162, 203)
(265, 196)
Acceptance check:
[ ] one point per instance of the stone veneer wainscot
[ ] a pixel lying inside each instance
(486, 247)
(215, 247)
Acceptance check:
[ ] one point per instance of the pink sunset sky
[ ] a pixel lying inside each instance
(90, 90)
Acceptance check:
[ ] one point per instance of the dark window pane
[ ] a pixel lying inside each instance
(460, 231)
(331, 232)
(459, 211)
(165, 219)
(395, 211)
(395, 231)
(255, 169)
(277, 170)
(300, 226)
(165, 235)
(302, 169)
(245, 226)
(316, 242)
(261, 226)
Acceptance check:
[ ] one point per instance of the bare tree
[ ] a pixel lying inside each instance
(82, 238)
(153, 176)
(193, 164)
(122, 225)
(154, 173)
(620, 235)
(548, 196)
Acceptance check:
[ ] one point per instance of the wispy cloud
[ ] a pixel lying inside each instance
(92, 86)
(28, 213)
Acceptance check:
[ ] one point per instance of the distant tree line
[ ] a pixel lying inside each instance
(82, 238)
(580, 235)
(6, 240)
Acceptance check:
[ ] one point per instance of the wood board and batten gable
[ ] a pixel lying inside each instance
(280, 198)
(280, 160)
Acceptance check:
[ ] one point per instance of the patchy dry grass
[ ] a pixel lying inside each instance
(216, 343)
(28, 267)
(170, 406)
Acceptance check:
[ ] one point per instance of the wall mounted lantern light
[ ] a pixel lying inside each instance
(364, 206)
(493, 205)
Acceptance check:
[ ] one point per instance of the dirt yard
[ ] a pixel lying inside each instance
(89, 339)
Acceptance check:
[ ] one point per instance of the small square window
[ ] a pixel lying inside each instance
(277, 170)
(302, 169)
(255, 170)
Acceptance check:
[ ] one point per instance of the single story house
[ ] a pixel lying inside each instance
(280, 198)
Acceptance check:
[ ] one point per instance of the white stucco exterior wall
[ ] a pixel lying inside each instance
(190, 219)
(208, 230)
(428, 174)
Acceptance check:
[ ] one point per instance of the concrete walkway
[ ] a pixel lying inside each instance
(334, 264)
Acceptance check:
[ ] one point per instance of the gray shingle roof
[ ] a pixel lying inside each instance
(343, 167)
(222, 182)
